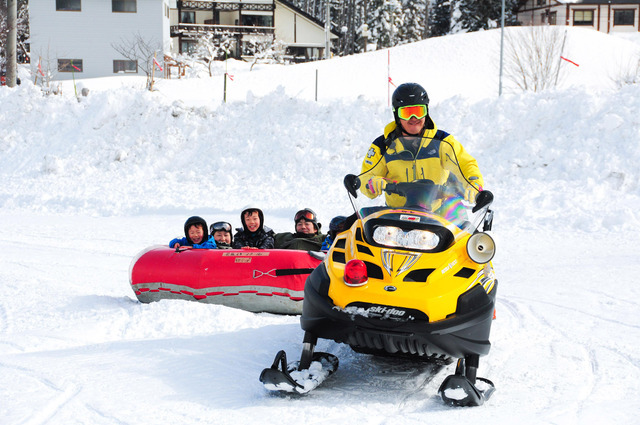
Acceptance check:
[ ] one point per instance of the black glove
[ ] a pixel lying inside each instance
(352, 184)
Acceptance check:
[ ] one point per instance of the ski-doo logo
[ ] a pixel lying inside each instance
(380, 310)
(451, 264)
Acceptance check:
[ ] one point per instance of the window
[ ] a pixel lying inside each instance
(257, 20)
(188, 18)
(125, 66)
(188, 46)
(624, 17)
(70, 65)
(583, 17)
(552, 18)
(124, 6)
(68, 5)
(540, 2)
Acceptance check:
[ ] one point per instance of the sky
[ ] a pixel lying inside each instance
(90, 182)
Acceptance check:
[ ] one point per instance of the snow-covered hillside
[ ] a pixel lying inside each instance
(86, 185)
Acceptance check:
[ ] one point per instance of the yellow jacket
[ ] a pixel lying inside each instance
(438, 155)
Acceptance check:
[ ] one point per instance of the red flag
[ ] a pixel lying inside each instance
(570, 61)
(230, 76)
(76, 68)
(157, 64)
(40, 69)
(391, 82)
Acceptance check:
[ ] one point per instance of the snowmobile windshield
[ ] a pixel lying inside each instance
(443, 194)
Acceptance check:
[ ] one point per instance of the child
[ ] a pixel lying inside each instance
(221, 232)
(195, 231)
(254, 234)
(307, 236)
(337, 225)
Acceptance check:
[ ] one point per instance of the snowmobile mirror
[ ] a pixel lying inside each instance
(483, 199)
(352, 184)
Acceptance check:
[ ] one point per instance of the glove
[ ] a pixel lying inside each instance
(471, 192)
(376, 185)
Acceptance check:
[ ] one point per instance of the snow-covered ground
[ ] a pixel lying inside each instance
(87, 185)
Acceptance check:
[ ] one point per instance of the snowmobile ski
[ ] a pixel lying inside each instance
(464, 388)
(285, 377)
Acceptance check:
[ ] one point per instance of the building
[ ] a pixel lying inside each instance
(95, 38)
(243, 22)
(605, 16)
(76, 38)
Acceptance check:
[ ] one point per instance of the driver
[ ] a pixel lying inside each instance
(412, 148)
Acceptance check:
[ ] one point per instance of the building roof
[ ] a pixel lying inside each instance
(306, 15)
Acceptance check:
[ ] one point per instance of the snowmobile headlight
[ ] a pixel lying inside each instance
(355, 273)
(414, 239)
(481, 248)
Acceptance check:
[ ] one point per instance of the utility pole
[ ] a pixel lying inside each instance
(501, 48)
(327, 29)
(12, 41)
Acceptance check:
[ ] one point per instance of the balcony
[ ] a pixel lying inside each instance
(192, 30)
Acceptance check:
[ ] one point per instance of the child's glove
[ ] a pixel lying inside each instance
(471, 192)
(376, 185)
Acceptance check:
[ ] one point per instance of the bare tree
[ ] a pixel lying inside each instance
(532, 57)
(627, 73)
(141, 50)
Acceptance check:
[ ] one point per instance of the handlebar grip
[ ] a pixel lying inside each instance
(391, 188)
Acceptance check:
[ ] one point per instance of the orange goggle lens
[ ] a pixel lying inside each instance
(418, 111)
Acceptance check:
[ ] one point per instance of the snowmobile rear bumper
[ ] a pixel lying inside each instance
(464, 333)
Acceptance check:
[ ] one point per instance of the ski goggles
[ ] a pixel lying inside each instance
(406, 112)
(221, 225)
(306, 215)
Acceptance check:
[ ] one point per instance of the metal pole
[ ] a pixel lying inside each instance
(501, 48)
(12, 41)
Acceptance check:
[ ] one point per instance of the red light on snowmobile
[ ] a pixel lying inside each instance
(355, 273)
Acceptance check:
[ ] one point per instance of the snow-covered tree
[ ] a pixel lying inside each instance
(23, 31)
(210, 47)
(476, 15)
(440, 18)
(385, 22)
(413, 28)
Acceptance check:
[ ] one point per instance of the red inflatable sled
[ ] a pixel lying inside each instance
(255, 280)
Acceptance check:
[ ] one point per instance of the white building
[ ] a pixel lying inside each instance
(609, 16)
(86, 38)
(77, 37)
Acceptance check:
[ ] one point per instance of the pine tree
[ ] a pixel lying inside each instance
(475, 15)
(440, 18)
(385, 22)
(413, 28)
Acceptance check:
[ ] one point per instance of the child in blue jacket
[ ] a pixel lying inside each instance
(196, 235)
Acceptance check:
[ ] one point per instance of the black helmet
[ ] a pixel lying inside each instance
(409, 94)
(308, 214)
(195, 220)
(337, 223)
(224, 226)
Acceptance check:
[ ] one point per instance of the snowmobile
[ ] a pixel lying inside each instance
(410, 280)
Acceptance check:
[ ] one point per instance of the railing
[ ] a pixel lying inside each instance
(225, 6)
(195, 29)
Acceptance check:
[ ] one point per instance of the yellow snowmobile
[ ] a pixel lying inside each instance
(414, 280)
